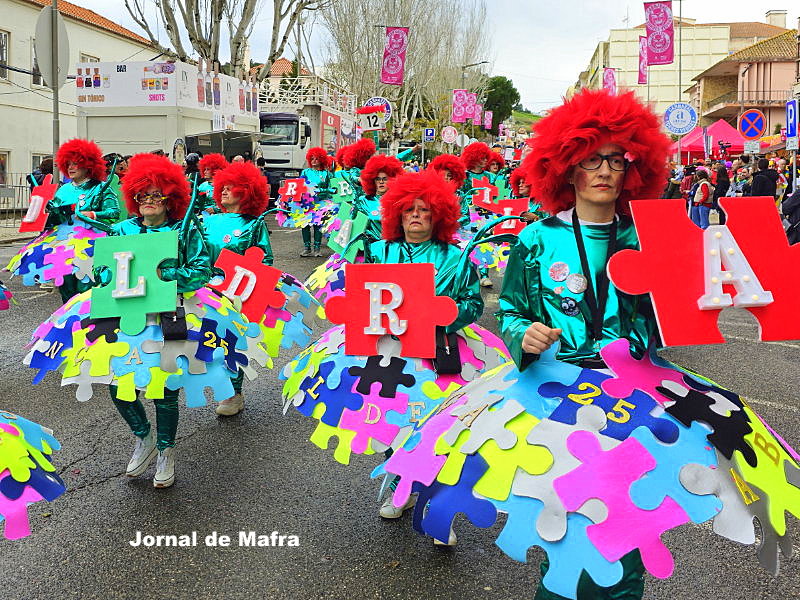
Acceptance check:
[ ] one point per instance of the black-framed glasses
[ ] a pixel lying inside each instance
(381, 179)
(616, 162)
(150, 199)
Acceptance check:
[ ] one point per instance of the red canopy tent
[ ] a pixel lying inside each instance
(721, 131)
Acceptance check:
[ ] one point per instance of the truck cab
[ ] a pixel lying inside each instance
(285, 139)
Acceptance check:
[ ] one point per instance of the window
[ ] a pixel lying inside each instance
(3, 167)
(88, 58)
(36, 75)
(3, 54)
(36, 160)
(279, 132)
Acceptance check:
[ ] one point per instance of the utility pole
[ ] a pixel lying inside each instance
(54, 76)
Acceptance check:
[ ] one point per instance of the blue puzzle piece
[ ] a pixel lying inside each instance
(569, 556)
(233, 358)
(443, 502)
(217, 377)
(60, 339)
(34, 433)
(623, 415)
(122, 365)
(295, 332)
(49, 485)
(336, 399)
(338, 282)
(206, 338)
(692, 446)
(34, 260)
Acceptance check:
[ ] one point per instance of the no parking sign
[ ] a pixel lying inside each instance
(752, 124)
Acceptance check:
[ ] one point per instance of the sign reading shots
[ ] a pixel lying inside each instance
(449, 134)
(381, 101)
(680, 118)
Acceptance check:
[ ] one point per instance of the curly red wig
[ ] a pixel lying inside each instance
(496, 158)
(322, 156)
(86, 154)
(517, 175)
(452, 164)
(429, 187)
(341, 158)
(474, 154)
(380, 162)
(359, 153)
(213, 161)
(247, 183)
(577, 128)
(146, 170)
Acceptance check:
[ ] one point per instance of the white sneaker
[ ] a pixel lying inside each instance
(317, 252)
(452, 541)
(165, 468)
(306, 252)
(143, 454)
(390, 511)
(486, 282)
(230, 406)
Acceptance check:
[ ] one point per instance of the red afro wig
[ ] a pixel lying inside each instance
(496, 158)
(146, 170)
(214, 161)
(247, 183)
(517, 175)
(474, 154)
(429, 187)
(452, 164)
(359, 153)
(322, 156)
(86, 154)
(341, 157)
(577, 128)
(380, 162)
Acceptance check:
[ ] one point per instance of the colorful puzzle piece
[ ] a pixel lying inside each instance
(369, 422)
(248, 278)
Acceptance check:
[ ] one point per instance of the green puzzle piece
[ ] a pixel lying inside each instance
(136, 290)
(344, 191)
(351, 227)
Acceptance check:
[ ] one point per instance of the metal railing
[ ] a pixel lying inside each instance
(750, 97)
(15, 196)
(309, 89)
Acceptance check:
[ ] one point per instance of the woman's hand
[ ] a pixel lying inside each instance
(539, 337)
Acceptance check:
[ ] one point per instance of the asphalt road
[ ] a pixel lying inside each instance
(258, 472)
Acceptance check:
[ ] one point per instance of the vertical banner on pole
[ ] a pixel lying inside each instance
(459, 106)
(660, 33)
(487, 119)
(394, 55)
(643, 65)
(477, 115)
(469, 109)
(610, 80)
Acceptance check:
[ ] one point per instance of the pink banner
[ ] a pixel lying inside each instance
(660, 33)
(642, 59)
(394, 55)
(610, 80)
(469, 109)
(487, 120)
(477, 114)
(459, 106)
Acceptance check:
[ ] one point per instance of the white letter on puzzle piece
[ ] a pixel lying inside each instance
(377, 308)
(343, 237)
(720, 251)
(291, 188)
(122, 290)
(236, 280)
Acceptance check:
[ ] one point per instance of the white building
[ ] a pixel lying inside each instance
(25, 104)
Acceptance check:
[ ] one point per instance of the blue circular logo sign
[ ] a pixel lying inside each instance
(680, 118)
(381, 101)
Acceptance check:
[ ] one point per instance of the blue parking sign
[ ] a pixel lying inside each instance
(791, 118)
(430, 134)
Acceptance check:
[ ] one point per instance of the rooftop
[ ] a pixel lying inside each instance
(780, 48)
(85, 15)
(745, 29)
(279, 68)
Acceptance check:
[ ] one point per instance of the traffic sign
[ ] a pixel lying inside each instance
(791, 118)
(680, 118)
(449, 134)
(752, 124)
(462, 140)
(429, 135)
(381, 101)
(752, 147)
(54, 75)
(791, 143)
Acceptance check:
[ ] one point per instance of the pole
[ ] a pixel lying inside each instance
(680, 64)
(54, 75)
(463, 84)
(423, 149)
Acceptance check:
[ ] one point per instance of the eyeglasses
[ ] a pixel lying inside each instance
(616, 162)
(381, 179)
(150, 198)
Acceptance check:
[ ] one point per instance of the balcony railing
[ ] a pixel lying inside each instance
(751, 97)
(296, 91)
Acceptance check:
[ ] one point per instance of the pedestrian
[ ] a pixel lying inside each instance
(702, 199)
(765, 180)
(450, 167)
(208, 167)
(720, 191)
(44, 169)
(318, 174)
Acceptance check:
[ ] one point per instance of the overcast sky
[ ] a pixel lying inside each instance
(541, 46)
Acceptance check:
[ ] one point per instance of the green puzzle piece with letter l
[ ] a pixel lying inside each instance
(351, 227)
(135, 287)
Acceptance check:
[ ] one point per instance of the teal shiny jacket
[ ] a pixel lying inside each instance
(444, 257)
(237, 233)
(85, 197)
(320, 179)
(192, 268)
(538, 287)
(205, 197)
(371, 207)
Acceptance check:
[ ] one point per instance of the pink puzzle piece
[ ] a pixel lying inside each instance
(273, 315)
(421, 463)
(631, 374)
(369, 422)
(60, 267)
(206, 296)
(15, 512)
(81, 233)
(608, 476)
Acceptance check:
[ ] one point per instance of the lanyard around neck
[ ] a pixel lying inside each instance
(598, 299)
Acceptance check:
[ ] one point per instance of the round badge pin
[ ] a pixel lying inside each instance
(226, 239)
(576, 283)
(237, 232)
(569, 307)
(559, 289)
(82, 196)
(559, 271)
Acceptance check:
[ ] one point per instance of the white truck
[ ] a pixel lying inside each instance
(299, 113)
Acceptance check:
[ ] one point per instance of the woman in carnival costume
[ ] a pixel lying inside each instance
(208, 167)
(317, 174)
(78, 205)
(420, 216)
(495, 165)
(587, 401)
(355, 158)
(170, 352)
(521, 189)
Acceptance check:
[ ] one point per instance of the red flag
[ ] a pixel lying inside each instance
(642, 59)
(660, 33)
(394, 55)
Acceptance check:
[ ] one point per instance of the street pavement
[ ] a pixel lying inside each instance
(258, 472)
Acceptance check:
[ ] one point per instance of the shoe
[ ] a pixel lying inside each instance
(317, 252)
(306, 252)
(230, 406)
(165, 468)
(452, 540)
(390, 511)
(486, 282)
(143, 454)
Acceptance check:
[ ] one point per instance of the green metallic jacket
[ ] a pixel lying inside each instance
(205, 197)
(320, 179)
(236, 233)
(443, 256)
(547, 249)
(83, 198)
(371, 207)
(192, 268)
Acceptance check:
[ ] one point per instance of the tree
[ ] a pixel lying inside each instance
(501, 97)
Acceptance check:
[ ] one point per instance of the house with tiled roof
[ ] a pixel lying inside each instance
(25, 102)
(760, 76)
